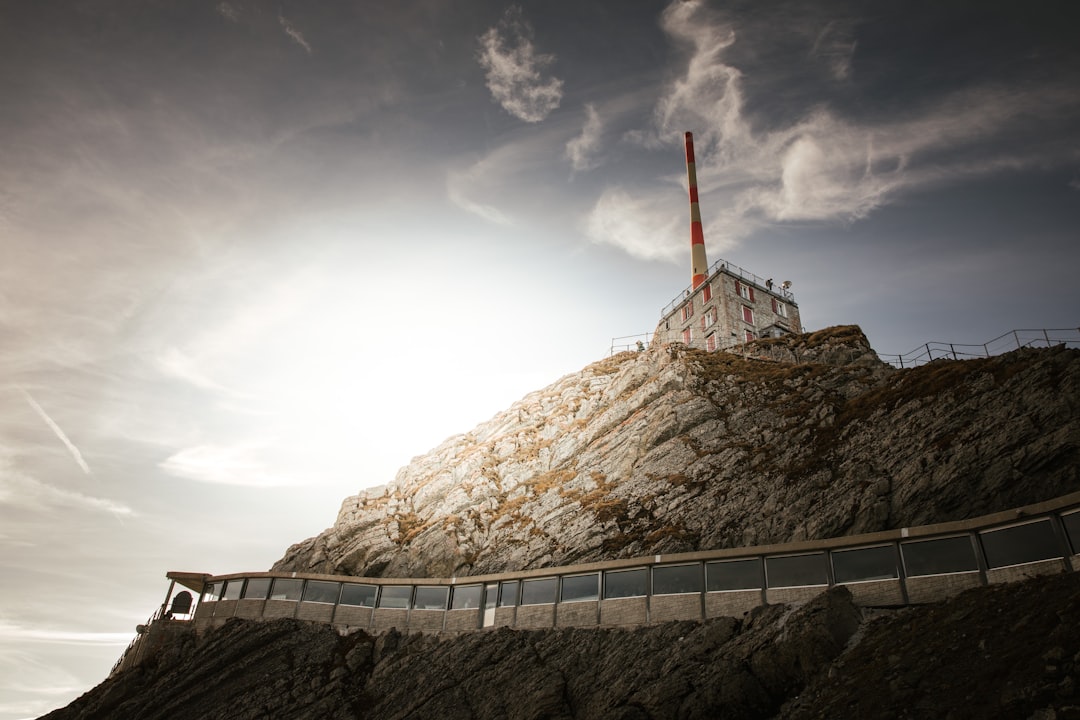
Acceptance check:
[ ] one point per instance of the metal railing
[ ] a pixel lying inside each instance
(731, 269)
(925, 353)
(1012, 340)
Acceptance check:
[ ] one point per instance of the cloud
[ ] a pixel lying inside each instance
(514, 70)
(582, 149)
(75, 454)
(457, 190)
(835, 47)
(14, 632)
(642, 225)
(236, 465)
(22, 491)
(228, 11)
(295, 34)
(821, 166)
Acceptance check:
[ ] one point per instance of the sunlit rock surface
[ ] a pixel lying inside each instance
(673, 450)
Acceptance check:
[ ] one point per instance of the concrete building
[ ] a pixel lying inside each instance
(724, 305)
(730, 307)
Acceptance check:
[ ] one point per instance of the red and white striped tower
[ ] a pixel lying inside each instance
(698, 264)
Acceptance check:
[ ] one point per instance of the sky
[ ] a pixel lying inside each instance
(256, 256)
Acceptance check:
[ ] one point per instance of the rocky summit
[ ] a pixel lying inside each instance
(672, 450)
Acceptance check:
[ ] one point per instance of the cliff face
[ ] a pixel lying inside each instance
(673, 450)
(1003, 651)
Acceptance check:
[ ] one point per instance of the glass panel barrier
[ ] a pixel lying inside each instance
(431, 597)
(286, 589)
(212, 592)
(321, 591)
(935, 557)
(358, 595)
(508, 593)
(257, 588)
(538, 592)
(625, 583)
(232, 589)
(797, 570)
(579, 588)
(860, 564)
(1072, 529)
(733, 575)
(395, 596)
(1020, 544)
(467, 597)
(672, 579)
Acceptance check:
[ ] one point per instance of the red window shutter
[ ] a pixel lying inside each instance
(738, 288)
(774, 304)
(751, 293)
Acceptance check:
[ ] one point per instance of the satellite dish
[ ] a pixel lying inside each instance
(786, 284)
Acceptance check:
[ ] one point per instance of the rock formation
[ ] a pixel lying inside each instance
(673, 450)
(1003, 651)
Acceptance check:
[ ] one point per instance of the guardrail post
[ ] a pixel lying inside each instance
(1063, 540)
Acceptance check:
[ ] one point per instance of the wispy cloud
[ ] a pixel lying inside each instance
(644, 227)
(582, 150)
(14, 632)
(75, 454)
(514, 70)
(22, 491)
(228, 11)
(294, 33)
(835, 47)
(241, 465)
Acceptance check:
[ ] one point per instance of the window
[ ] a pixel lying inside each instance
(733, 575)
(577, 588)
(624, 583)
(321, 591)
(358, 595)
(671, 579)
(706, 294)
(508, 593)
(431, 598)
(538, 592)
(1072, 529)
(748, 335)
(779, 308)
(395, 596)
(710, 342)
(744, 291)
(709, 319)
(934, 557)
(467, 597)
(748, 314)
(797, 570)
(212, 592)
(257, 588)
(1019, 544)
(232, 590)
(286, 589)
(688, 335)
(876, 563)
(688, 310)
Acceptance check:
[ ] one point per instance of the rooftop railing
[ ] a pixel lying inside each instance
(731, 269)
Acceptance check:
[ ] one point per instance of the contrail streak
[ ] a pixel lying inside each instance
(56, 429)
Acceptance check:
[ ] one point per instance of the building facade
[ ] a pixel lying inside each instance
(730, 307)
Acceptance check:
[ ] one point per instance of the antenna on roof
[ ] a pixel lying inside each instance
(698, 264)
